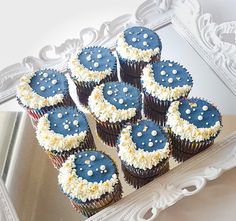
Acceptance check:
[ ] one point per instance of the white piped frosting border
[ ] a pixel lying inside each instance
(79, 188)
(159, 91)
(31, 99)
(136, 157)
(52, 141)
(186, 130)
(131, 53)
(82, 74)
(104, 110)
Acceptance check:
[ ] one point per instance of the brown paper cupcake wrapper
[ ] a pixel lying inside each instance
(84, 89)
(35, 114)
(186, 148)
(154, 115)
(90, 208)
(108, 132)
(140, 173)
(137, 182)
(58, 159)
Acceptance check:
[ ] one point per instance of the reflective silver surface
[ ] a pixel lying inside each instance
(29, 175)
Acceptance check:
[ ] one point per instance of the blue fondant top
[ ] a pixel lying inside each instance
(148, 135)
(171, 74)
(67, 121)
(94, 166)
(97, 59)
(199, 112)
(142, 38)
(48, 83)
(122, 95)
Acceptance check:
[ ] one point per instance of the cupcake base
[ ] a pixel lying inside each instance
(137, 182)
(108, 132)
(94, 206)
(184, 149)
(130, 71)
(58, 159)
(84, 89)
(35, 114)
(143, 174)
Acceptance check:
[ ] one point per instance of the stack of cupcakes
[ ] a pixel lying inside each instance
(136, 47)
(89, 178)
(41, 91)
(90, 67)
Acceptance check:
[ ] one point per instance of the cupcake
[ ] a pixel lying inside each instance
(136, 47)
(64, 131)
(144, 149)
(193, 125)
(43, 90)
(113, 105)
(91, 67)
(163, 82)
(90, 180)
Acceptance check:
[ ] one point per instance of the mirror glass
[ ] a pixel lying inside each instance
(29, 175)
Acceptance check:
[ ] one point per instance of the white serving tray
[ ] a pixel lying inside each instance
(207, 39)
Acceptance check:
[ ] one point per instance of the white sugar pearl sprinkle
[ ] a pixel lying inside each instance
(75, 122)
(170, 80)
(89, 58)
(54, 81)
(145, 43)
(66, 126)
(205, 108)
(109, 92)
(37, 83)
(90, 173)
(59, 115)
(80, 168)
(154, 133)
(102, 167)
(162, 72)
(139, 134)
(145, 35)
(87, 162)
(187, 111)
(150, 144)
(200, 117)
(92, 158)
(174, 71)
(42, 88)
(134, 39)
(121, 101)
(99, 56)
(125, 89)
(45, 75)
(96, 64)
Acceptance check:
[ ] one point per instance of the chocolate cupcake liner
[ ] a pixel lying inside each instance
(84, 88)
(140, 173)
(108, 132)
(130, 71)
(154, 115)
(137, 182)
(35, 114)
(188, 147)
(180, 156)
(58, 158)
(108, 139)
(93, 206)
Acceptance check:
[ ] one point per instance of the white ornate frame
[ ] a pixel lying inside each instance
(207, 38)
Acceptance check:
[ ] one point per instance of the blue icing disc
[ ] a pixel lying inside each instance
(67, 121)
(148, 135)
(122, 95)
(171, 74)
(94, 166)
(97, 59)
(48, 83)
(142, 38)
(199, 112)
